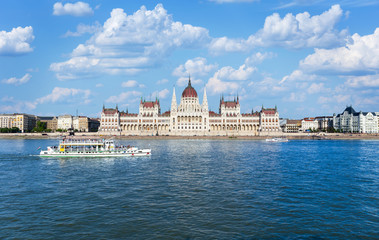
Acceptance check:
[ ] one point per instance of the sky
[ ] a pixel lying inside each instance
(307, 57)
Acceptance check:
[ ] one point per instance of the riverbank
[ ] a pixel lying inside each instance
(291, 136)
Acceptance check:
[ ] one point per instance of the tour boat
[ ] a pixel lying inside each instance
(277, 140)
(73, 147)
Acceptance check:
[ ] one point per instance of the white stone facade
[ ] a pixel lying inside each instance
(65, 122)
(359, 122)
(6, 120)
(309, 124)
(190, 118)
(24, 122)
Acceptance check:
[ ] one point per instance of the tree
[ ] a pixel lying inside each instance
(40, 127)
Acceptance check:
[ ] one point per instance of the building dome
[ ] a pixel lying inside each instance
(189, 91)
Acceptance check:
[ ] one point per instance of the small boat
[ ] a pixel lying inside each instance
(277, 139)
(74, 147)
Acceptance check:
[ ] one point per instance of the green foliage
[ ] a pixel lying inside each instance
(40, 127)
(331, 130)
(93, 129)
(10, 130)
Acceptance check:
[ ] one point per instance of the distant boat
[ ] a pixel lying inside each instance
(276, 140)
(74, 147)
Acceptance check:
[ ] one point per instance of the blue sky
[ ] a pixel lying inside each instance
(309, 58)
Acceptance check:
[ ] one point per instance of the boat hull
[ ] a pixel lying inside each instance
(104, 154)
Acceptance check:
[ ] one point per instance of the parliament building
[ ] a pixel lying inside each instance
(190, 118)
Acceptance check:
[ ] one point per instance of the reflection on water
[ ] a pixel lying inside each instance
(193, 189)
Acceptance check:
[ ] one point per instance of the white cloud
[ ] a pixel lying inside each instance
(363, 81)
(77, 9)
(295, 97)
(123, 97)
(299, 75)
(16, 41)
(316, 88)
(352, 3)
(338, 98)
(18, 81)
(359, 57)
(183, 81)
(258, 58)
(267, 86)
(82, 29)
(130, 83)
(162, 94)
(196, 67)
(18, 107)
(66, 95)
(298, 31)
(224, 80)
(232, 1)
(215, 85)
(163, 81)
(99, 85)
(240, 74)
(131, 43)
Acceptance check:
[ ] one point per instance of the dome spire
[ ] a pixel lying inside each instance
(189, 91)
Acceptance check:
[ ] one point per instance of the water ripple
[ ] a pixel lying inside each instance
(201, 189)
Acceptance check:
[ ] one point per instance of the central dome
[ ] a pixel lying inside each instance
(189, 91)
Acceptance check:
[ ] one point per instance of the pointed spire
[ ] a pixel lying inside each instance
(116, 106)
(103, 106)
(189, 80)
(127, 110)
(205, 100)
(173, 101)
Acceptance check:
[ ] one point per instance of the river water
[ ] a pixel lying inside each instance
(193, 189)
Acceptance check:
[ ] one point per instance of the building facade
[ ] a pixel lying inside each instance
(24, 122)
(190, 118)
(80, 123)
(65, 122)
(6, 120)
(292, 126)
(51, 122)
(356, 122)
(309, 124)
(325, 123)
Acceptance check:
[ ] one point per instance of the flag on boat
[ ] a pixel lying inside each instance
(38, 148)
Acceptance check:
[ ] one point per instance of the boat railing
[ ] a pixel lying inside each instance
(82, 141)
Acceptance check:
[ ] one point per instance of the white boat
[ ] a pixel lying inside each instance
(276, 140)
(74, 147)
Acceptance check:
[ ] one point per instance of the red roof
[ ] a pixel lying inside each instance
(309, 119)
(109, 111)
(128, 114)
(230, 104)
(149, 104)
(213, 114)
(270, 111)
(166, 114)
(189, 91)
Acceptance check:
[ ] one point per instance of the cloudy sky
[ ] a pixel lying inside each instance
(309, 57)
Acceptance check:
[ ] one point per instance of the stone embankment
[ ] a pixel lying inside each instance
(293, 136)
